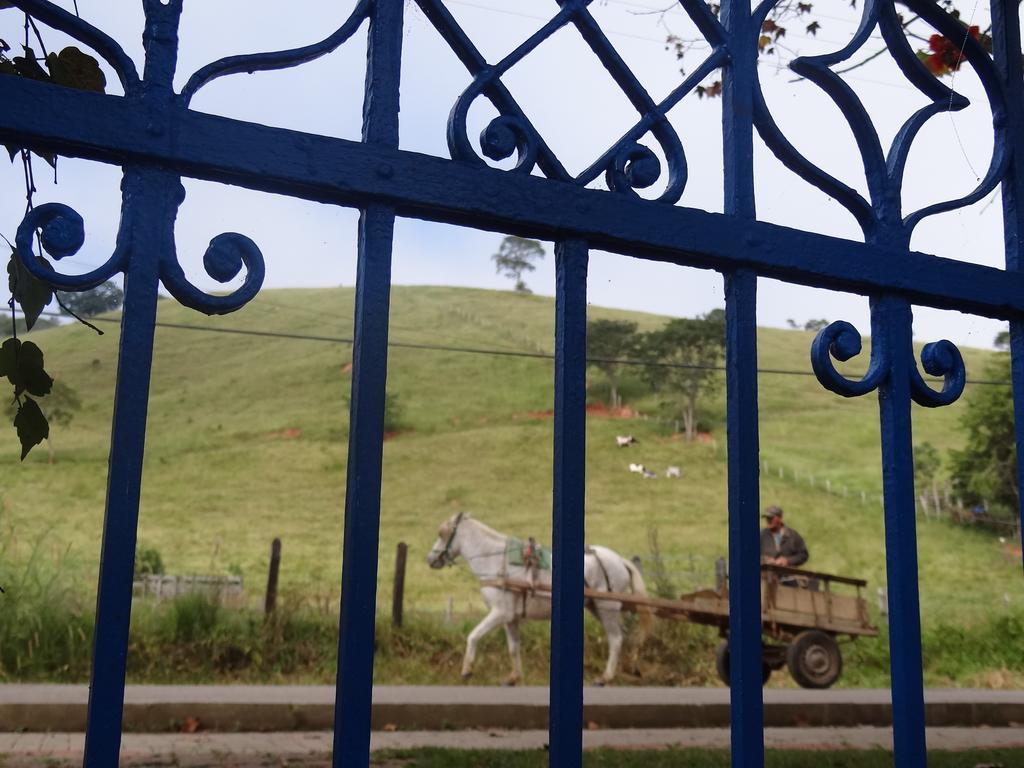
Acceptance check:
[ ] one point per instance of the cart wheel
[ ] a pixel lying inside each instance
(814, 659)
(722, 664)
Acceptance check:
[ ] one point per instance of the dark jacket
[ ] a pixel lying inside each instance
(792, 547)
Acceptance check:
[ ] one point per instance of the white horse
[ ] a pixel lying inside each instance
(487, 553)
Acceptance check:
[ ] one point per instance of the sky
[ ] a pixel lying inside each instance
(577, 108)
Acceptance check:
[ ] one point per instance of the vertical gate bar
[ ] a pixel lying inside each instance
(745, 664)
(738, 109)
(354, 685)
(124, 478)
(1006, 47)
(891, 326)
(566, 685)
(746, 702)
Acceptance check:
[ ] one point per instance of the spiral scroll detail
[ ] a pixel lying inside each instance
(62, 234)
(225, 257)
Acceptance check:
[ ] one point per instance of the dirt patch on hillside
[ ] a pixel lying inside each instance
(594, 410)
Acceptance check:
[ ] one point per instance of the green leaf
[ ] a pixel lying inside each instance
(74, 69)
(22, 364)
(9, 359)
(33, 295)
(31, 425)
(34, 379)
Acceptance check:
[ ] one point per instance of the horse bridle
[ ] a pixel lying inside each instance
(446, 556)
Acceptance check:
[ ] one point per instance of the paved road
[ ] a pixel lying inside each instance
(150, 709)
(309, 749)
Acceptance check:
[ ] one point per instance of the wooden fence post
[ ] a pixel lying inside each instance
(275, 566)
(398, 592)
(721, 575)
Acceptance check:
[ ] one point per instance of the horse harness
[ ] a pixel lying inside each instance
(532, 556)
(604, 572)
(446, 555)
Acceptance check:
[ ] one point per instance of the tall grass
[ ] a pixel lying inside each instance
(989, 653)
(46, 635)
(45, 631)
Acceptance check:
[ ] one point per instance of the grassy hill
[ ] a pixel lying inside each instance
(248, 439)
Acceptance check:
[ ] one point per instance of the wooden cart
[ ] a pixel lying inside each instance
(802, 618)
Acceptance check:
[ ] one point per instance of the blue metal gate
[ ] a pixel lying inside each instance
(154, 136)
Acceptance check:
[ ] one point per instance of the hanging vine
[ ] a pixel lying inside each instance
(22, 362)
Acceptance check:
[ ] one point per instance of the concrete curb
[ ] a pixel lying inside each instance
(157, 709)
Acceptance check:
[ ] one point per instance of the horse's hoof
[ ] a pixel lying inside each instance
(466, 675)
(508, 684)
(599, 683)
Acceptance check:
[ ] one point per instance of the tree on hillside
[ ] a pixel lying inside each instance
(816, 325)
(985, 469)
(683, 359)
(516, 256)
(607, 342)
(103, 298)
(1002, 340)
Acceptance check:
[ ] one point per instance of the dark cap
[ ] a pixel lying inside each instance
(772, 512)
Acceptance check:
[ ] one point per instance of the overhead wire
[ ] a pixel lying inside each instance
(469, 350)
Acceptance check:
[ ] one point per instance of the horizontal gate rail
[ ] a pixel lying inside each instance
(157, 139)
(331, 170)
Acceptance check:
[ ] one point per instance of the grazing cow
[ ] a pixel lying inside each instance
(624, 441)
(638, 468)
(647, 473)
(673, 472)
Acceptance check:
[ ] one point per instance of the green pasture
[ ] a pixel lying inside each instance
(248, 437)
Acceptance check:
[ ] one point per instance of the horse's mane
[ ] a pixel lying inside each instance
(486, 528)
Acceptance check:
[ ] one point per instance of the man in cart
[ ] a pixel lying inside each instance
(780, 544)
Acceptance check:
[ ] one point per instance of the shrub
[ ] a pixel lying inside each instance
(148, 561)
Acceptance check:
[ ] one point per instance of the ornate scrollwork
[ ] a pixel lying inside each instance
(940, 358)
(506, 135)
(843, 342)
(884, 170)
(223, 260)
(840, 340)
(62, 234)
(634, 167)
(628, 165)
(259, 62)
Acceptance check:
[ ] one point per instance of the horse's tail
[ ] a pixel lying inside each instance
(645, 613)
